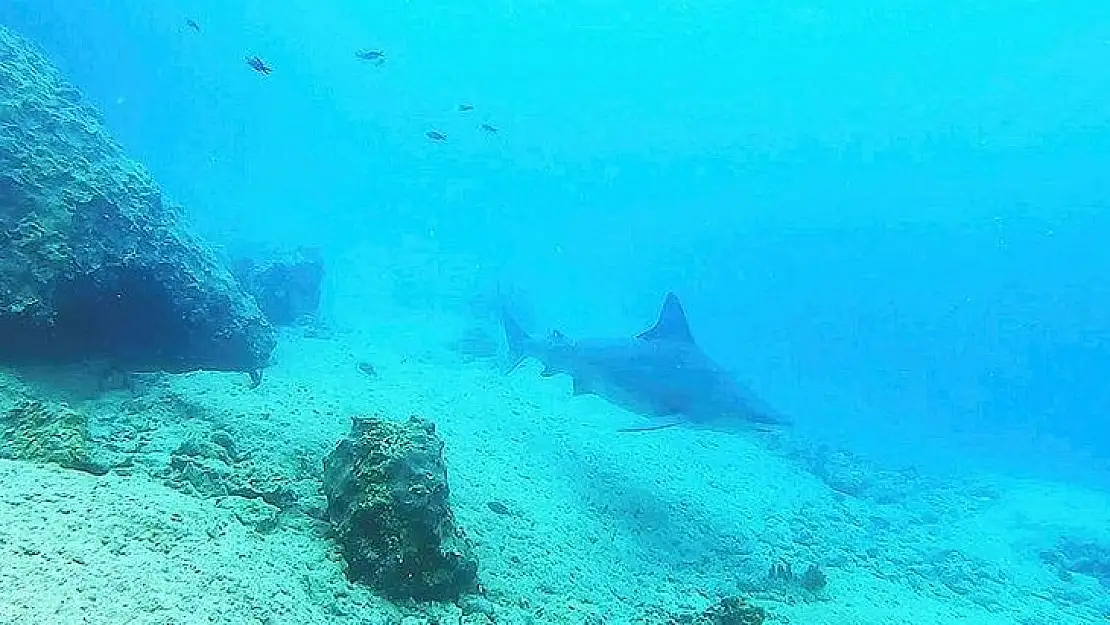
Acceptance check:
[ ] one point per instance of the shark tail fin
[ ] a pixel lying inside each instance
(517, 340)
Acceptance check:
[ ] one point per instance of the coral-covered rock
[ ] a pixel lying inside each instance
(810, 585)
(387, 492)
(285, 283)
(1083, 556)
(727, 611)
(733, 611)
(94, 263)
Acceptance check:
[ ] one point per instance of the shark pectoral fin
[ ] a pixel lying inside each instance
(582, 387)
(649, 428)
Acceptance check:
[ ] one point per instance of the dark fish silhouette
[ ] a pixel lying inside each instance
(191, 23)
(377, 57)
(489, 128)
(660, 373)
(258, 65)
(464, 107)
(435, 135)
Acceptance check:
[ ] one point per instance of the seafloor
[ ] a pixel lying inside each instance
(589, 525)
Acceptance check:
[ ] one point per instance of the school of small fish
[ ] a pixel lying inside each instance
(374, 56)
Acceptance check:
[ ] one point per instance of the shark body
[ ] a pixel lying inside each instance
(660, 373)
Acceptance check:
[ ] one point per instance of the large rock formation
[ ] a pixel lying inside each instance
(388, 502)
(94, 263)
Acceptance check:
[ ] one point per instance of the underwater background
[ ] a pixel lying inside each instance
(889, 220)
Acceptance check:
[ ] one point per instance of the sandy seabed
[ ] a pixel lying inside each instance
(594, 526)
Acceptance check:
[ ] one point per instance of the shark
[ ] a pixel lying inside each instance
(660, 373)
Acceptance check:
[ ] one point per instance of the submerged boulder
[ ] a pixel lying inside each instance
(387, 492)
(94, 262)
(285, 283)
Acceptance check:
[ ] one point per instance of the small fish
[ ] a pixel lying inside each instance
(435, 135)
(257, 64)
(377, 57)
(465, 108)
(191, 23)
(490, 128)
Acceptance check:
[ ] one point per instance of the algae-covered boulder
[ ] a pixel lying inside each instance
(387, 492)
(94, 262)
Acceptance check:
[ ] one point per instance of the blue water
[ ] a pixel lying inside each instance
(873, 211)
(889, 218)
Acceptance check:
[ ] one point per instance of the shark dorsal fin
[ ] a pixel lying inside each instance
(671, 325)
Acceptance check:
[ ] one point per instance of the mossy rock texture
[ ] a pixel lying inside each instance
(46, 432)
(387, 492)
(94, 262)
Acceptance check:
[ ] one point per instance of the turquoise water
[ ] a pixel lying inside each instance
(888, 221)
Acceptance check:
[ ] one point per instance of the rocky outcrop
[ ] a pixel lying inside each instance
(387, 492)
(94, 262)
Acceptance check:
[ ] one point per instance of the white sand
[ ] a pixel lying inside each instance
(81, 549)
